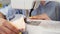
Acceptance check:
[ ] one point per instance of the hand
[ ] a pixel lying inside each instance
(2, 16)
(7, 28)
(40, 17)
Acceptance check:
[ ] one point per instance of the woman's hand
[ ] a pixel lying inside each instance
(2, 16)
(7, 28)
(40, 17)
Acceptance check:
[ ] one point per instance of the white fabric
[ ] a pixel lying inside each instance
(45, 27)
(5, 9)
(18, 21)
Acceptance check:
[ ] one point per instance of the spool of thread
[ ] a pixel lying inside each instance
(1, 5)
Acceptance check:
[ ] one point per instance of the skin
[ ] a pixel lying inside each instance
(42, 3)
(6, 27)
(42, 16)
(2, 16)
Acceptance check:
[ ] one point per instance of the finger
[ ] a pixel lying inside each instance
(33, 18)
(44, 19)
(8, 25)
(1, 15)
(46, 16)
(22, 29)
(11, 27)
(6, 30)
(2, 32)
